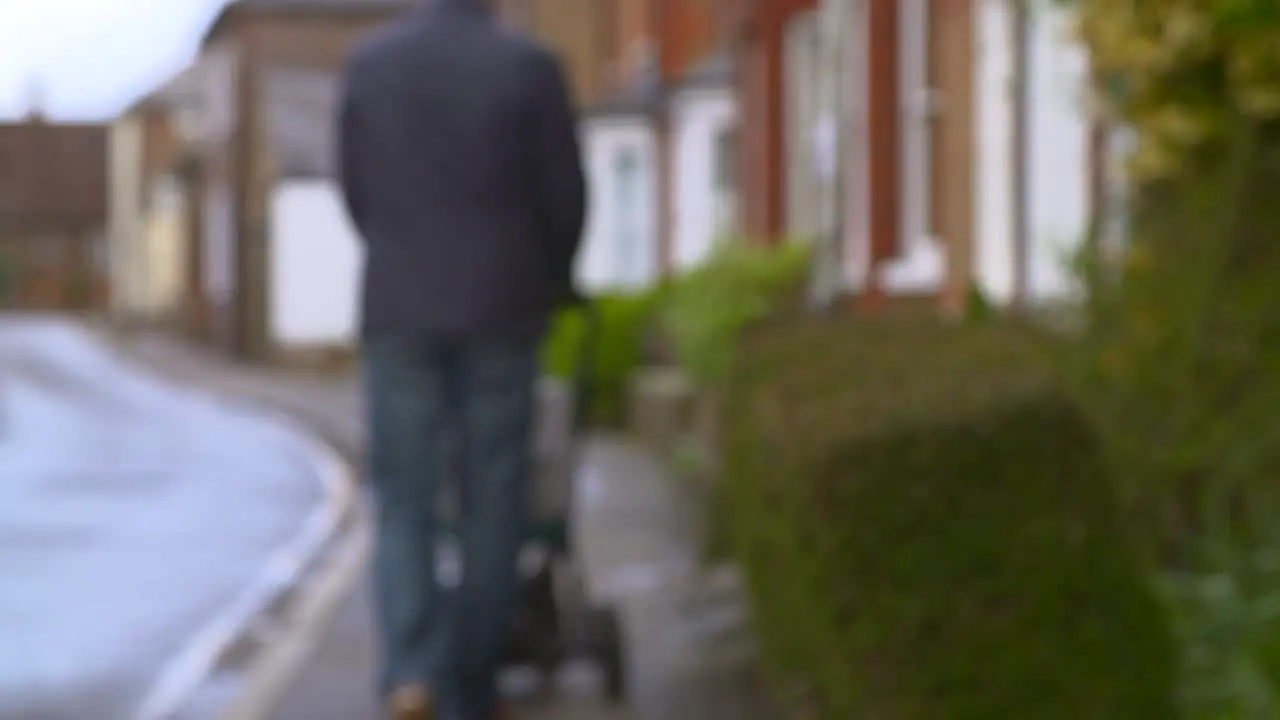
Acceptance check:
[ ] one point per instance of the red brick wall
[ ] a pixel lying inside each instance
(53, 188)
(884, 127)
(762, 96)
(579, 32)
(688, 31)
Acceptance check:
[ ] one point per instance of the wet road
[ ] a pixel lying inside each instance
(131, 514)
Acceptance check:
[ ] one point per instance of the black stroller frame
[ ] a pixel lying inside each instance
(555, 620)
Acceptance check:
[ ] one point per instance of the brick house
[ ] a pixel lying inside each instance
(924, 140)
(150, 229)
(653, 82)
(609, 49)
(228, 303)
(314, 253)
(53, 214)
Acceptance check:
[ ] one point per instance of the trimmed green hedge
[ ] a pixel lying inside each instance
(617, 352)
(928, 532)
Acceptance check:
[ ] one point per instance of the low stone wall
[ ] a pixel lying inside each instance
(323, 359)
(660, 407)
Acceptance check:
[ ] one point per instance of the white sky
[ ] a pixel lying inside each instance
(90, 58)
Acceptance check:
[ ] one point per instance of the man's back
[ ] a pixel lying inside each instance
(461, 170)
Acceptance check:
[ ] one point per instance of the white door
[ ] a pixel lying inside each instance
(921, 264)
(632, 256)
(724, 190)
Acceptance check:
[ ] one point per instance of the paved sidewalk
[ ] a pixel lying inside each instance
(689, 659)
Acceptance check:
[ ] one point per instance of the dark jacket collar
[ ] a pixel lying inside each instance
(459, 7)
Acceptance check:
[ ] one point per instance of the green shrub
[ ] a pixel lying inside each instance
(1228, 622)
(1183, 347)
(928, 531)
(708, 306)
(1179, 370)
(977, 308)
(617, 348)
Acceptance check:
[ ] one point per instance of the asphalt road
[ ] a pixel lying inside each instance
(688, 651)
(131, 514)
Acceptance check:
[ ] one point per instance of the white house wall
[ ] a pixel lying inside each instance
(922, 266)
(1060, 126)
(1058, 155)
(699, 119)
(600, 266)
(125, 207)
(162, 255)
(314, 259)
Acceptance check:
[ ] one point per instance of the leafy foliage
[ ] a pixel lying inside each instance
(614, 352)
(1180, 374)
(709, 306)
(1182, 72)
(1228, 623)
(1183, 344)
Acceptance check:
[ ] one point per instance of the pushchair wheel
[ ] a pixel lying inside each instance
(604, 633)
(535, 635)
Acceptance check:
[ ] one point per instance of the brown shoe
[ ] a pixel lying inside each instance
(411, 702)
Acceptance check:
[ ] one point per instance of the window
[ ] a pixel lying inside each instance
(629, 257)
(725, 179)
(726, 152)
(166, 195)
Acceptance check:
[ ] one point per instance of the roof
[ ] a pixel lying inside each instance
(179, 90)
(56, 170)
(713, 71)
(320, 7)
(643, 94)
(300, 110)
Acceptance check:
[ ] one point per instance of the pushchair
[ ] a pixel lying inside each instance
(555, 620)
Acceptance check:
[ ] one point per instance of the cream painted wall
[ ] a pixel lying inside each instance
(699, 118)
(125, 224)
(162, 257)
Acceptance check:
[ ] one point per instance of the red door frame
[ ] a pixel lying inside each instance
(762, 93)
(884, 146)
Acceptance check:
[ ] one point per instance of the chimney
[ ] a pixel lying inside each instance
(35, 102)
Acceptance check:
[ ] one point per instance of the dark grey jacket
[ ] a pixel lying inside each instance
(461, 169)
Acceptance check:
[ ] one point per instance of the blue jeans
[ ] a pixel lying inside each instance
(419, 393)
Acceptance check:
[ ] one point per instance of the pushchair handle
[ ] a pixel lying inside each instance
(584, 374)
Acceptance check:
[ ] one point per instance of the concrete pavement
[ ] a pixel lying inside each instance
(689, 656)
(136, 519)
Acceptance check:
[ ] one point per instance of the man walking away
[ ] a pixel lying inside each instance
(460, 168)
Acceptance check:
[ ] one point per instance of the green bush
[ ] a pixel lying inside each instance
(928, 531)
(1180, 361)
(708, 306)
(1183, 348)
(616, 351)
